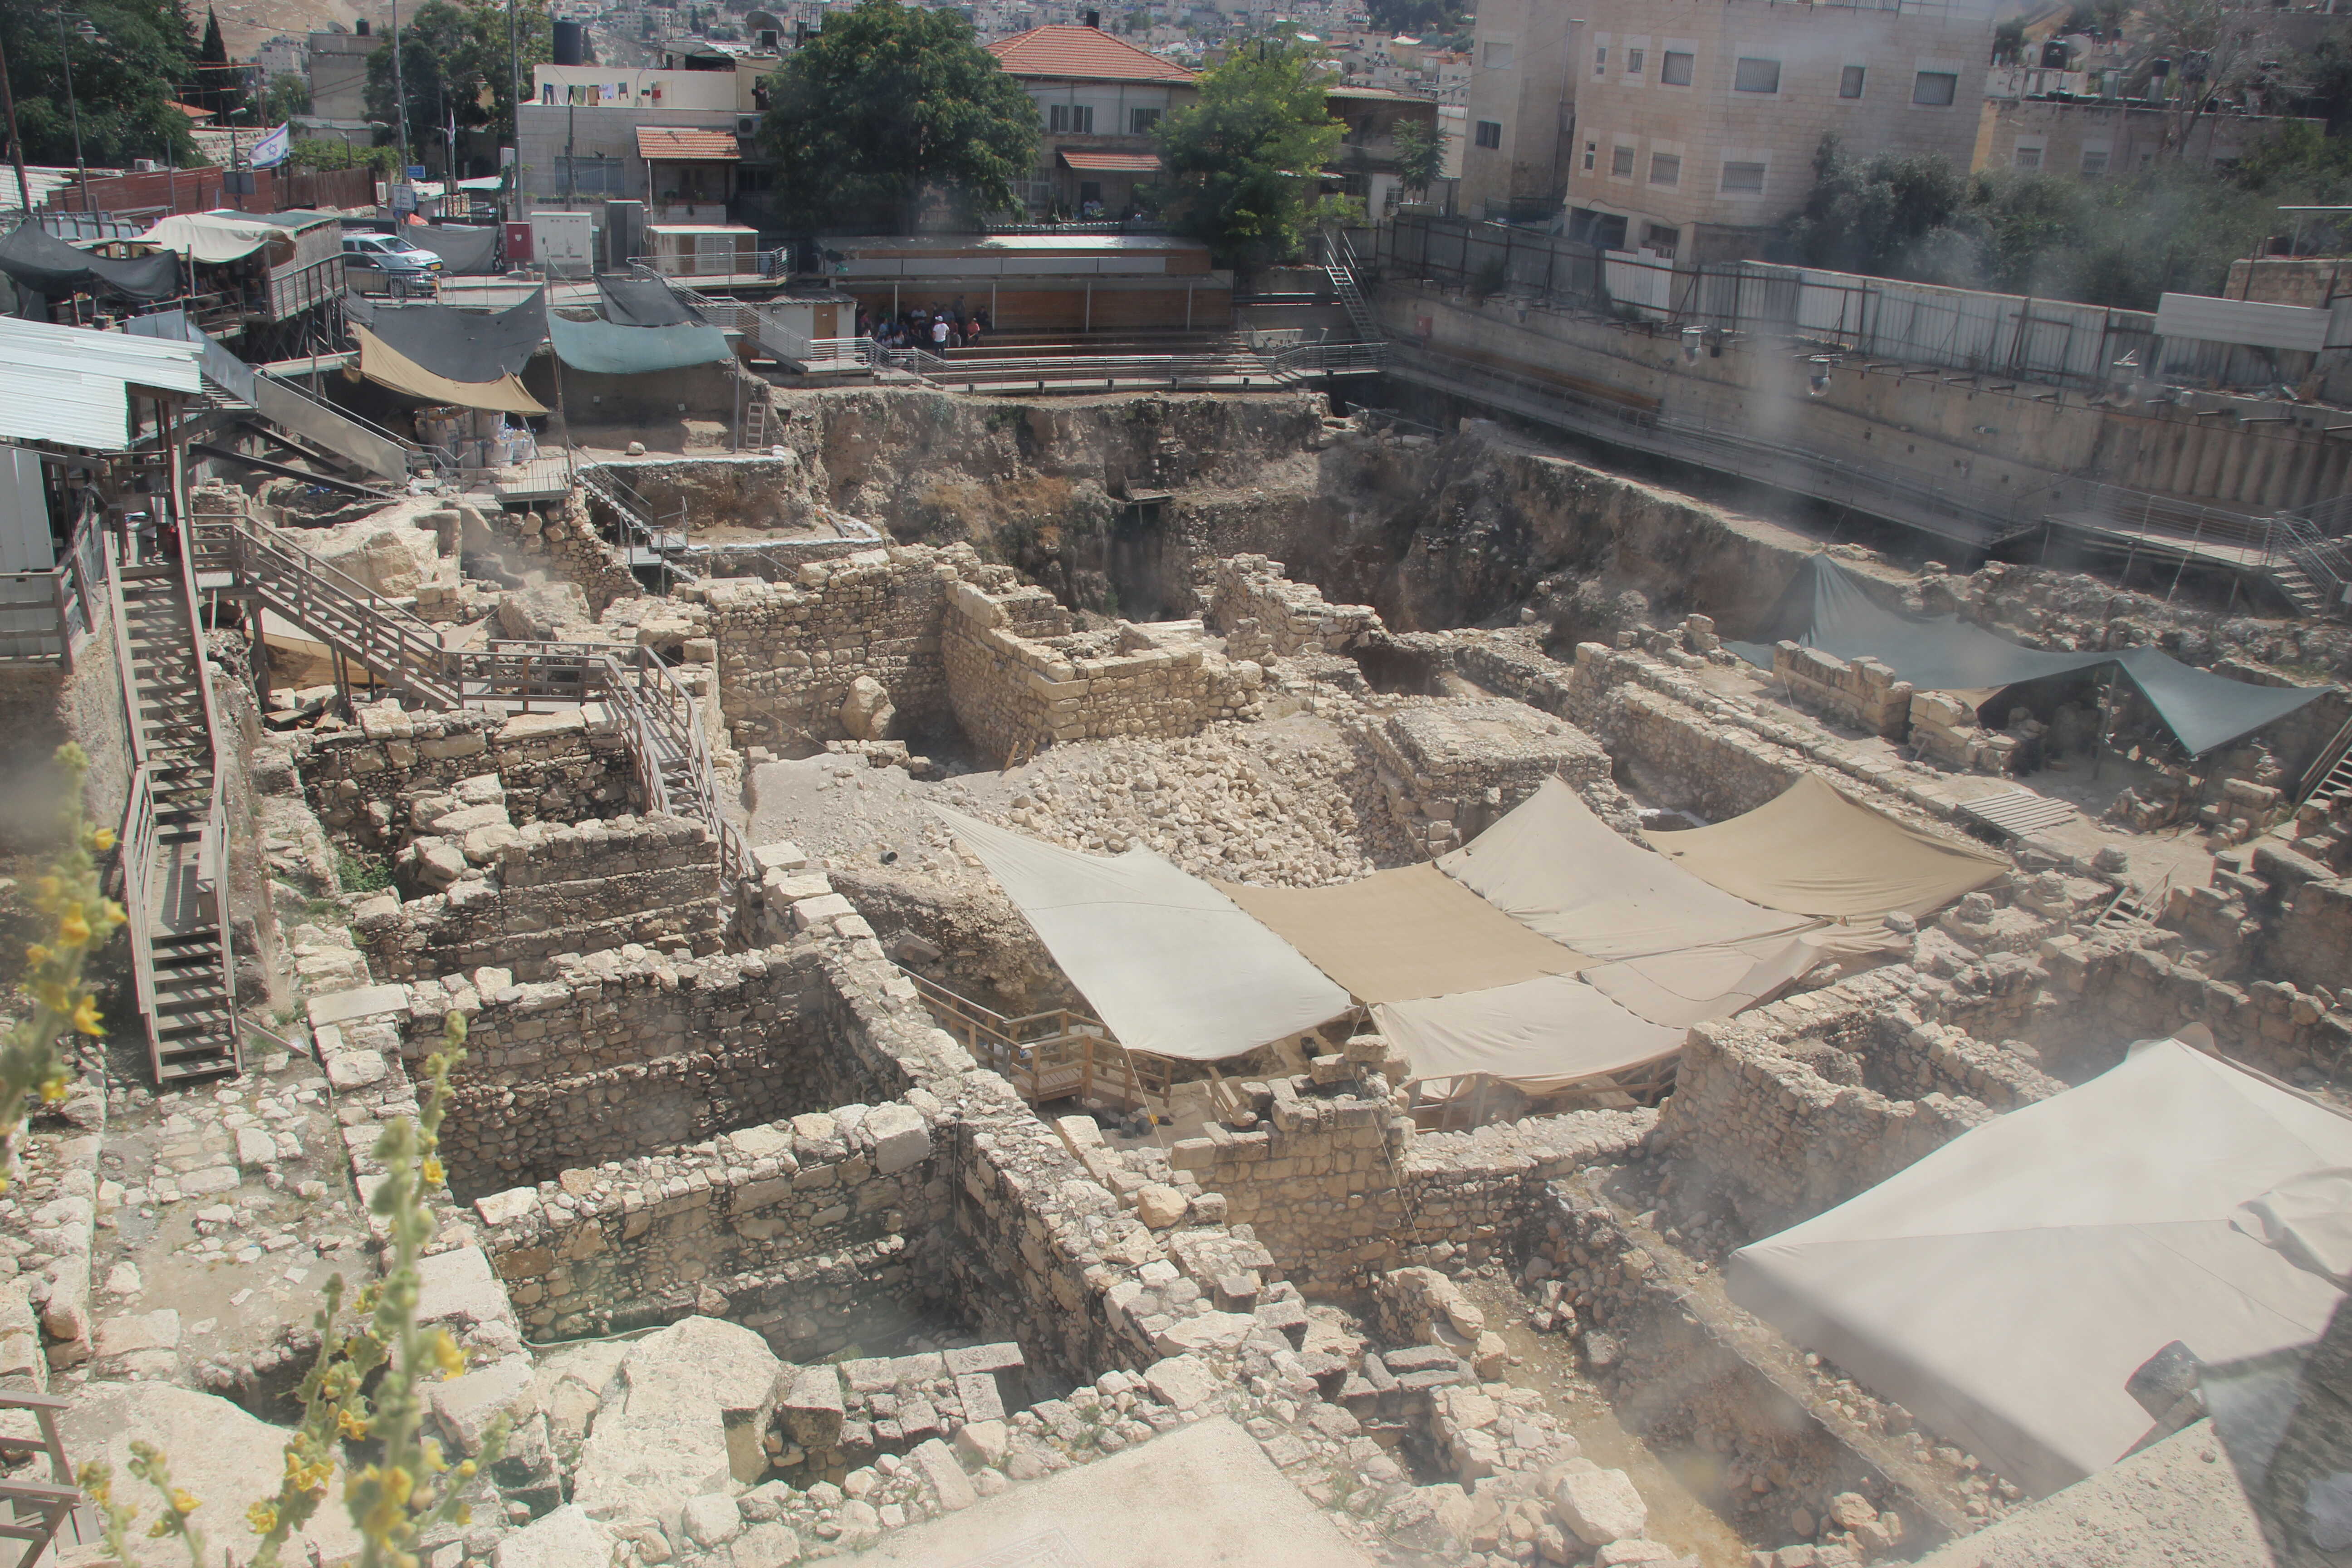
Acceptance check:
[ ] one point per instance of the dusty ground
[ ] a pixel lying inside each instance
(1548, 1363)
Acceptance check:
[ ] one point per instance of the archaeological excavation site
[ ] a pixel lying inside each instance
(1196, 978)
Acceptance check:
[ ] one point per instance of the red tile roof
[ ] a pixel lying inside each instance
(686, 145)
(1083, 54)
(1111, 162)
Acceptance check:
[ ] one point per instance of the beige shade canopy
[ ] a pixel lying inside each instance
(1542, 1036)
(387, 366)
(1701, 983)
(1812, 851)
(2006, 1286)
(1554, 865)
(1406, 934)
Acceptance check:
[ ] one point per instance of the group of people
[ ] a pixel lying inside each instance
(938, 328)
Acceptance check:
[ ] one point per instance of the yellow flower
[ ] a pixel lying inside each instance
(56, 1087)
(72, 929)
(103, 839)
(114, 913)
(85, 1017)
(262, 1517)
(446, 1351)
(433, 1173)
(466, 1471)
(35, 955)
(351, 1424)
(183, 1500)
(431, 1453)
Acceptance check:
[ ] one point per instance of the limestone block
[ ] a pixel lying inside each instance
(1209, 1331)
(1600, 1506)
(867, 712)
(692, 1416)
(901, 1138)
(458, 1287)
(937, 1463)
(765, 1546)
(713, 1520)
(217, 1452)
(814, 1409)
(157, 1330)
(809, 912)
(506, 1207)
(1161, 1206)
(567, 1538)
(467, 1405)
(1183, 1381)
(349, 1070)
(782, 856)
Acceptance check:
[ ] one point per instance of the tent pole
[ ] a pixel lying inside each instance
(2106, 723)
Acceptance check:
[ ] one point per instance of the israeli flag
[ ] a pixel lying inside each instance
(271, 149)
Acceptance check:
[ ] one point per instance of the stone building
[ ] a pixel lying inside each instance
(1697, 125)
(1099, 100)
(1522, 110)
(2093, 141)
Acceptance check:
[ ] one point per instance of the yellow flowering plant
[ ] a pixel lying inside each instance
(79, 918)
(363, 1389)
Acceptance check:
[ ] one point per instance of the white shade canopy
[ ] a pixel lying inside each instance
(2006, 1286)
(1171, 965)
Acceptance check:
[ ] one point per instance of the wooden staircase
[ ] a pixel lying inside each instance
(174, 834)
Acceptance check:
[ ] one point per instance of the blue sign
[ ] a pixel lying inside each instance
(417, 171)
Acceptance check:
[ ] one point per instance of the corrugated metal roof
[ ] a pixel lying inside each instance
(1083, 54)
(42, 181)
(71, 384)
(685, 143)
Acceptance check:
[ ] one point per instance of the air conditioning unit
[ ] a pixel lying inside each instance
(145, 166)
(747, 125)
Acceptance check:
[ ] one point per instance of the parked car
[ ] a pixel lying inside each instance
(389, 253)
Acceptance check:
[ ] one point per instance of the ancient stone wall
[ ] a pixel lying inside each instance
(1337, 1184)
(1014, 694)
(2120, 992)
(2313, 945)
(622, 1054)
(1449, 769)
(1259, 610)
(813, 1230)
(1794, 1107)
(788, 653)
(565, 766)
(552, 890)
(1862, 692)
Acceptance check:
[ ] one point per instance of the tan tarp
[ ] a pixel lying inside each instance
(217, 238)
(1542, 1036)
(2004, 1286)
(1413, 931)
(386, 366)
(1680, 989)
(1170, 964)
(1813, 851)
(1551, 864)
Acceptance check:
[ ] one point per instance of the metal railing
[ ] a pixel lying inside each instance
(660, 718)
(1059, 1054)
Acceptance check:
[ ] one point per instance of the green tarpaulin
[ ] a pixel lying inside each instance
(600, 348)
(1826, 607)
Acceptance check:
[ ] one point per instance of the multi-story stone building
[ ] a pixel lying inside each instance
(1100, 100)
(1697, 122)
(1522, 106)
(2091, 140)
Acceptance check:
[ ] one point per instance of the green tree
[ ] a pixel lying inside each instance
(1420, 155)
(455, 63)
(1241, 163)
(334, 153)
(889, 108)
(220, 81)
(127, 65)
(289, 96)
(1420, 18)
(1893, 216)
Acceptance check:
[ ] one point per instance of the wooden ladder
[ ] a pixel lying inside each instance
(755, 423)
(39, 1511)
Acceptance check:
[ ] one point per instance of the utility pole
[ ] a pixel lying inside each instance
(399, 91)
(15, 143)
(514, 111)
(65, 56)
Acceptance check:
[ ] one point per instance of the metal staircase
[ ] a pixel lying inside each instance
(644, 540)
(661, 721)
(1340, 267)
(2330, 777)
(174, 833)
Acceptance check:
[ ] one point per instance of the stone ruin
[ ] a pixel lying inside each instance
(762, 1266)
